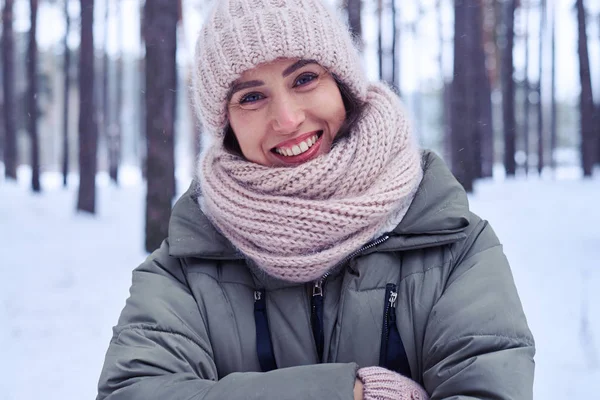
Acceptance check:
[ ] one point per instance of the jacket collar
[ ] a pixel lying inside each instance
(438, 215)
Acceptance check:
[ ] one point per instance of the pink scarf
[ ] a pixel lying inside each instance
(297, 223)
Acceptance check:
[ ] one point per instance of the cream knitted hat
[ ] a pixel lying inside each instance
(241, 34)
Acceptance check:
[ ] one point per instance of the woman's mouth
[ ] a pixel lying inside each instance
(300, 151)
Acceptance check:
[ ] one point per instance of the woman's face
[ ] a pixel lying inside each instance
(286, 112)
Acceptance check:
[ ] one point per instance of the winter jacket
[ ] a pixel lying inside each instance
(433, 299)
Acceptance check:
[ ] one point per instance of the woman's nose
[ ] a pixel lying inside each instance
(287, 115)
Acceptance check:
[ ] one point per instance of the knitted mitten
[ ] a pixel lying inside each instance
(382, 384)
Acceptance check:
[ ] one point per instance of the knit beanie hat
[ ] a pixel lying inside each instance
(241, 34)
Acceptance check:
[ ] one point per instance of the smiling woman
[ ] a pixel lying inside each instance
(319, 253)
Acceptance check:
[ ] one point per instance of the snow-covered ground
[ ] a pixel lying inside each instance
(64, 280)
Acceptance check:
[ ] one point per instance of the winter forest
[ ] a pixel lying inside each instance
(98, 138)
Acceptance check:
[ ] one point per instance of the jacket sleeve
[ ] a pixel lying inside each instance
(477, 343)
(161, 350)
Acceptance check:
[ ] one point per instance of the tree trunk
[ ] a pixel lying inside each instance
(526, 92)
(463, 97)
(553, 111)
(66, 96)
(114, 150)
(379, 37)
(445, 106)
(540, 108)
(161, 84)
(588, 148)
(395, 60)
(88, 128)
(598, 111)
(142, 145)
(484, 150)
(105, 110)
(353, 9)
(508, 89)
(32, 106)
(8, 80)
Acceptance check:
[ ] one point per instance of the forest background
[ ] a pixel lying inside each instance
(98, 139)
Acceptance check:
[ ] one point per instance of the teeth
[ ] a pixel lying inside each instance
(299, 148)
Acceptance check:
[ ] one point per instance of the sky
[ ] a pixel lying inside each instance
(419, 66)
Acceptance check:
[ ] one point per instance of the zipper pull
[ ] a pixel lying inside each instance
(257, 295)
(318, 288)
(393, 298)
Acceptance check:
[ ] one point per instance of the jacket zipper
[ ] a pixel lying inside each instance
(389, 320)
(264, 347)
(392, 354)
(318, 298)
(317, 315)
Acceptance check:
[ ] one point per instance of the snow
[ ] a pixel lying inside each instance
(65, 278)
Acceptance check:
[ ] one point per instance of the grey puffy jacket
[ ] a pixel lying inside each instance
(189, 330)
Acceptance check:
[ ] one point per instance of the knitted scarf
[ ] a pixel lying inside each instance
(297, 223)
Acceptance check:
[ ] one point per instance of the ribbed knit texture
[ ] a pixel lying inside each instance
(238, 35)
(297, 223)
(382, 384)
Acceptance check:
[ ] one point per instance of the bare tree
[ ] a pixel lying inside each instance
(88, 128)
(553, 110)
(160, 21)
(354, 11)
(445, 99)
(463, 97)
(66, 95)
(540, 108)
(526, 90)
(105, 105)
(508, 88)
(32, 105)
(588, 148)
(484, 146)
(598, 110)
(395, 57)
(114, 132)
(380, 37)
(8, 80)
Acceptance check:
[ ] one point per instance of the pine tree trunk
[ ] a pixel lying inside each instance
(8, 80)
(88, 128)
(379, 37)
(540, 108)
(445, 97)
(508, 89)
(598, 111)
(553, 111)
(114, 151)
(142, 145)
(66, 96)
(32, 106)
(526, 92)
(353, 9)
(588, 148)
(395, 60)
(106, 114)
(161, 84)
(484, 150)
(463, 97)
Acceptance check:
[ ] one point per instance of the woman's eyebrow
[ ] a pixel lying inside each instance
(244, 85)
(298, 64)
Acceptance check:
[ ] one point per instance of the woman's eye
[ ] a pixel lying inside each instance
(251, 98)
(304, 79)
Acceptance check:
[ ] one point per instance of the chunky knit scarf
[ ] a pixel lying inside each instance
(296, 223)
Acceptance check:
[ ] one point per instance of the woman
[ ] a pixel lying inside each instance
(320, 254)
